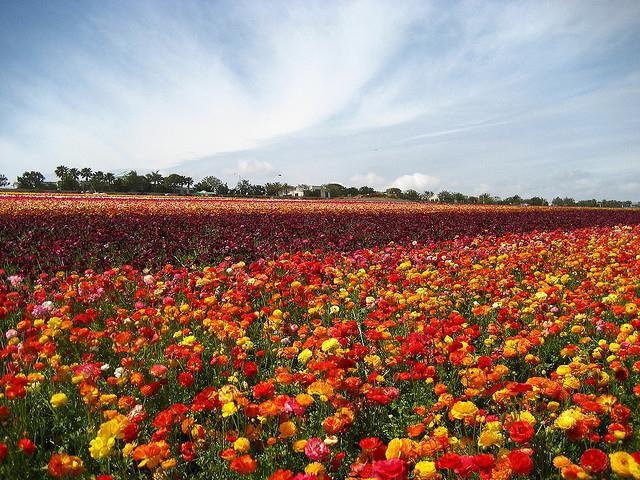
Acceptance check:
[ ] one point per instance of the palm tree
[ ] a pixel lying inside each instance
(109, 178)
(74, 173)
(86, 173)
(155, 178)
(61, 171)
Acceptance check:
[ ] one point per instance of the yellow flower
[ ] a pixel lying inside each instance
(241, 445)
(305, 355)
(58, 400)
(101, 447)
(424, 469)
(462, 410)
(315, 468)
(394, 449)
(127, 449)
(488, 438)
(330, 344)
(621, 463)
(229, 409)
(568, 419)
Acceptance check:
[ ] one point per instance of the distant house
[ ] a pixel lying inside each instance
(299, 191)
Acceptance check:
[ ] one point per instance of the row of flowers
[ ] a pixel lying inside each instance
(45, 234)
(489, 356)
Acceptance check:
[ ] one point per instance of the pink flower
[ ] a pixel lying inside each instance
(394, 469)
(292, 406)
(315, 449)
(158, 371)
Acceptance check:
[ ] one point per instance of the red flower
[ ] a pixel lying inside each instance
(370, 443)
(250, 369)
(449, 460)
(263, 390)
(521, 463)
(521, 432)
(594, 460)
(27, 446)
(185, 379)
(394, 469)
(282, 475)
(3, 451)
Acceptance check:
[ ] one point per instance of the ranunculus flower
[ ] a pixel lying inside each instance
(244, 465)
(315, 449)
(521, 431)
(521, 463)
(158, 371)
(185, 379)
(462, 410)
(27, 446)
(393, 469)
(449, 461)
(58, 400)
(594, 460)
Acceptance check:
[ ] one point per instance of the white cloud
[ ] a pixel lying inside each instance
(169, 87)
(416, 181)
(253, 168)
(369, 179)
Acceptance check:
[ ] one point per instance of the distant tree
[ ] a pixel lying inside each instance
(446, 197)
(352, 191)
(411, 194)
(61, 171)
(459, 197)
(365, 190)
(3, 181)
(427, 195)
(274, 189)
(258, 191)
(174, 182)
(212, 184)
(97, 182)
(243, 188)
(485, 198)
(557, 202)
(31, 180)
(68, 178)
(132, 182)
(68, 183)
(75, 173)
(514, 200)
(109, 180)
(155, 180)
(393, 192)
(336, 190)
(537, 201)
(86, 174)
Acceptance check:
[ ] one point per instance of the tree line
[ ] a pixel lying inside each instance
(86, 180)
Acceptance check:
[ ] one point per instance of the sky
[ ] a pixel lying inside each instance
(505, 97)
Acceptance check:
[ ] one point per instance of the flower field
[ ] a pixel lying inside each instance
(168, 338)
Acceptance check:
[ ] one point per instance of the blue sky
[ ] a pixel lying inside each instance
(505, 97)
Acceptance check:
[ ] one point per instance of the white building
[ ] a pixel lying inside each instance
(298, 191)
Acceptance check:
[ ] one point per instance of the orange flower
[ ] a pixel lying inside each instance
(151, 454)
(243, 465)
